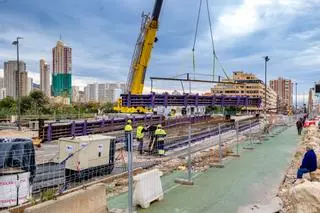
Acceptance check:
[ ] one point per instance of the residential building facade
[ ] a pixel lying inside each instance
(75, 94)
(247, 84)
(107, 92)
(284, 89)
(10, 77)
(29, 85)
(45, 78)
(24, 83)
(3, 93)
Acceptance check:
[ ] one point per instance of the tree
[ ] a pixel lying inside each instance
(92, 107)
(26, 104)
(39, 101)
(8, 103)
(107, 107)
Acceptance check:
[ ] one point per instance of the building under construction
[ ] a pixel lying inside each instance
(61, 70)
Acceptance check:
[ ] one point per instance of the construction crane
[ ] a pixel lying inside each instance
(141, 57)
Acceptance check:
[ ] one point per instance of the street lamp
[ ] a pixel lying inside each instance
(266, 59)
(296, 97)
(16, 42)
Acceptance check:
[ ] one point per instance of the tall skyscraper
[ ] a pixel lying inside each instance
(45, 78)
(1, 83)
(62, 70)
(10, 77)
(29, 86)
(23, 83)
(2, 89)
(75, 94)
(284, 90)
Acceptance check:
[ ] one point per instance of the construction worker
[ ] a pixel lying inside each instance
(160, 135)
(127, 130)
(139, 136)
(152, 129)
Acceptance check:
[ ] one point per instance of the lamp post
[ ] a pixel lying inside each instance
(16, 42)
(266, 59)
(296, 97)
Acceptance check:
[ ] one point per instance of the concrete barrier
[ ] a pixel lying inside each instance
(90, 200)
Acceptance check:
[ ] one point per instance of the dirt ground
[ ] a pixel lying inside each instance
(15, 133)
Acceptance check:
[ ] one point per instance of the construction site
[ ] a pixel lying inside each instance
(161, 152)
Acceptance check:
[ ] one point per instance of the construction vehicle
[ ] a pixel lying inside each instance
(141, 58)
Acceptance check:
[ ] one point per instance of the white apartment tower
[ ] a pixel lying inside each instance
(45, 78)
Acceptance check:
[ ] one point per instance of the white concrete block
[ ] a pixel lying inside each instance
(147, 188)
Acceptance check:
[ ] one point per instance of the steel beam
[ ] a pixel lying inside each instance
(152, 100)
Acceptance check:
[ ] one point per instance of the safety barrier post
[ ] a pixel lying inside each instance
(250, 133)
(187, 181)
(237, 136)
(220, 145)
(49, 132)
(73, 128)
(250, 136)
(219, 165)
(189, 153)
(130, 178)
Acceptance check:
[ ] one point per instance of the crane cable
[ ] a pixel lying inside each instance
(213, 48)
(215, 57)
(195, 40)
(212, 42)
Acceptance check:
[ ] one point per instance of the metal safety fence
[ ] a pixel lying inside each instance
(37, 174)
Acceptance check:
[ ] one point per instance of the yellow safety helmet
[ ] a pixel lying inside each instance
(159, 126)
(129, 121)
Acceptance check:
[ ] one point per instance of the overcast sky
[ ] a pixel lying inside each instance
(102, 34)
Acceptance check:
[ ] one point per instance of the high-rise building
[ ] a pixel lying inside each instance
(24, 83)
(248, 85)
(81, 97)
(75, 94)
(102, 92)
(107, 92)
(1, 83)
(45, 78)
(62, 70)
(284, 90)
(3, 93)
(29, 86)
(10, 77)
(91, 93)
(311, 100)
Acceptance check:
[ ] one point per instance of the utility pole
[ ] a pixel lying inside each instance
(16, 42)
(296, 97)
(266, 59)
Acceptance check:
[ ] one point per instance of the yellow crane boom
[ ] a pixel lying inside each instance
(142, 53)
(141, 56)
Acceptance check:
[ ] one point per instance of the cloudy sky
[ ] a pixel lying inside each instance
(102, 34)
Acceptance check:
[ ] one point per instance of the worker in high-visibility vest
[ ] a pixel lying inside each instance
(127, 134)
(139, 136)
(160, 136)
